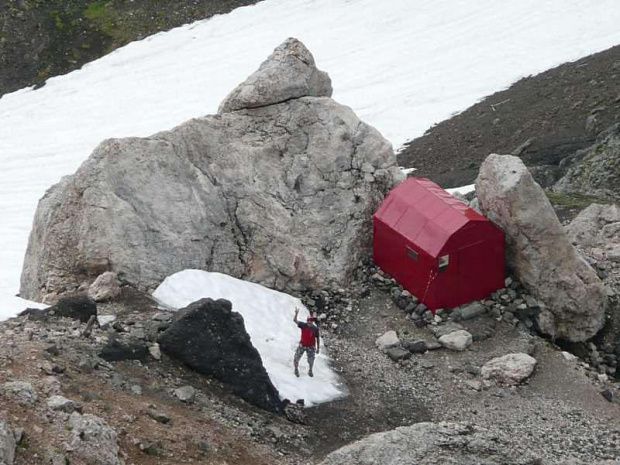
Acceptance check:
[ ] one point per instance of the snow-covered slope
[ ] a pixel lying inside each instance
(402, 65)
(268, 318)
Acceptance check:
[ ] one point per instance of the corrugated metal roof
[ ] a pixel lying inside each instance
(425, 214)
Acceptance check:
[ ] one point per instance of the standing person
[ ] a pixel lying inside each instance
(310, 342)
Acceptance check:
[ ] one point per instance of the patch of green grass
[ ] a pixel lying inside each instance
(572, 200)
(97, 11)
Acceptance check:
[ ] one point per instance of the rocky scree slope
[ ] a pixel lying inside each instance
(542, 119)
(42, 38)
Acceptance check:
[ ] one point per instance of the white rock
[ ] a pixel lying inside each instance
(105, 287)
(457, 340)
(568, 356)
(387, 341)
(510, 369)
(155, 351)
(185, 394)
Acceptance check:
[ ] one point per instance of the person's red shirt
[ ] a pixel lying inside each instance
(309, 333)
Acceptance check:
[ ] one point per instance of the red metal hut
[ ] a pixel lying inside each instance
(439, 249)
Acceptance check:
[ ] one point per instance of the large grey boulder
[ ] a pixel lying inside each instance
(539, 252)
(594, 171)
(288, 73)
(282, 195)
(7, 444)
(93, 441)
(431, 444)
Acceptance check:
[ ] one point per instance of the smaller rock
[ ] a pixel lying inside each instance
(433, 345)
(92, 440)
(448, 328)
(21, 392)
(158, 415)
(185, 394)
(105, 287)
(472, 311)
(415, 347)
(7, 444)
(457, 340)
(387, 341)
(510, 369)
(396, 353)
(155, 351)
(62, 404)
(51, 386)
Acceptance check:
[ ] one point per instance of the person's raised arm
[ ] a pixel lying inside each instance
(295, 316)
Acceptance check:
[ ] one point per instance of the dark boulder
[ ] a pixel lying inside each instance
(211, 339)
(121, 348)
(77, 308)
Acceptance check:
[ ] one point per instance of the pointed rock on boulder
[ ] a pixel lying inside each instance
(289, 72)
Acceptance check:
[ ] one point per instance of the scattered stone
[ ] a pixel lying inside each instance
(397, 353)
(295, 412)
(510, 369)
(158, 415)
(155, 351)
(120, 348)
(185, 394)
(21, 392)
(457, 340)
(472, 311)
(51, 386)
(7, 444)
(415, 347)
(153, 448)
(92, 440)
(63, 404)
(106, 287)
(387, 341)
(447, 328)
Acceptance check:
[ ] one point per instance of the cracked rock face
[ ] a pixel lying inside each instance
(431, 443)
(539, 251)
(282, 195)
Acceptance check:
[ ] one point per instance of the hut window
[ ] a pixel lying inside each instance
(412, 253)
(444, 261)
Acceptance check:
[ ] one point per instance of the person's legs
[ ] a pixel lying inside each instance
(311, 351)
(298, 353)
